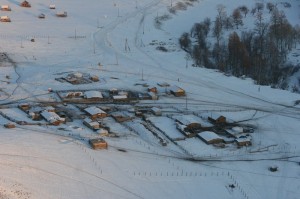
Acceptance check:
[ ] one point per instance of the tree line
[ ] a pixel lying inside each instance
(260, 52)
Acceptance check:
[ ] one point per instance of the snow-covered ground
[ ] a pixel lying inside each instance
(112, 39)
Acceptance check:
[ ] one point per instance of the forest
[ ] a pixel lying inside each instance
(258, 51)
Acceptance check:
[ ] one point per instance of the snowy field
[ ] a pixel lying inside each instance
(113, 40)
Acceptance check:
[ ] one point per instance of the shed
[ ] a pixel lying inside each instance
(52, 6)
(243, 141)
(122, 116)
(9, 125)
(52, 118)
(5, 8)
(153, 96)
(191, 122)
(95, 112)
(102, 132)
(41, 16)
(98, 143)
(216, 118)
(94, 125)
(163, 84)
(120, 98)
(25, 4)
(210, 137)
(5, 19)
(24, 106)
(94, 78)
(177, 91)
(152, 89)
(61, 14)
(93, 95)
(156, 111)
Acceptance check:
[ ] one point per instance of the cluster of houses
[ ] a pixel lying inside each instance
(212, 129)
(78, 78)
(26, 4)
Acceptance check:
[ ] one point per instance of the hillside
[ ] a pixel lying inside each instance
(99, 53)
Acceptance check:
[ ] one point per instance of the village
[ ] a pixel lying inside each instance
(116, 113)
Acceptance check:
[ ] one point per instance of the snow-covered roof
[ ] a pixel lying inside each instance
(51, 116)
(120, 97)
(94, 110)
(175, 88)
(93, 94)
(190, 119)
(209, 135)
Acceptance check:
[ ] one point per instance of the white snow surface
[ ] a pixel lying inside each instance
(111, 39)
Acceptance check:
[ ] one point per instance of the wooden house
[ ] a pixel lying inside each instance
(25, 4)
(243, 141)
(52, 6)
(9, 125)
(156, 111)
(210, 137)
(41, 16)
(94, 78)
(5, 8)
(24, 106)
(153, 96)
(216, 119)
(94, 125)
(61, 14)
(152, 89)
(5, 19)
(95, 112)
(52, 118)
(93, 95)
(98, 143)
(122, 116)
(177, 91)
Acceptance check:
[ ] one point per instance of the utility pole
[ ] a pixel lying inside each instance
(186, 102)
(94, 48)
(142, 75)
(75, 34)
(22, 43)
(48, 40)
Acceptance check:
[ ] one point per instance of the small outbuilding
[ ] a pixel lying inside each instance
(243, 141)
(156, 111)
(5, 8)
(122, 116)
(25, 4)
(152, 89)
(216, 119)
(52, 6)
(93, 95)
(9, 125)
(61, 14)
(94, 125)
(98, 143)
(42, 16)
(52, 118)
(177, 91)
(24, 106)
(210, 137)
(5, 19)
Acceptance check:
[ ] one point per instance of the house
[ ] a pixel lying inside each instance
(235, 131)
(52, 118)
(41, 16)
(5, 8)
(52, 6)
(5, 19)
(98, 143)
(95, 112)
(25, 4)
(163, 84)
(122, 116)
(94, 125)
(103, 132)
(93, 95)
(192, 122)
(120, 98)
(94, 78)
(156, 111)
(9, 125)
(177, 91)
(24, 106)
(243, 141)
(61, 14)
(74, 94)
(153, 96)
(216, 118)
(152, 89)
(210, 137)
(49, 109)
